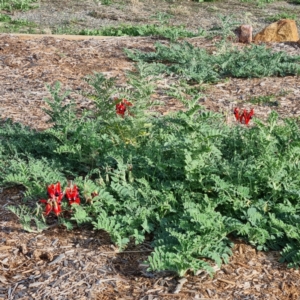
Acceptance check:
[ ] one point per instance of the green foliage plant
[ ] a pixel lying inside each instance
(259, 3)
(5, 18)
(197, 65)
(162, 17)
(11, 5)
(186, 179)
(106, 2)
(283, 15)
(9, 25)
(171, 32)
(224, 30)
(266, 100)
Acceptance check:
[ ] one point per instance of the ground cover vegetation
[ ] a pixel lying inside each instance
(164, 29)
(283, 15)
(197, 65)
(187, 180)
(11, 5)
(171, 32)
(9, 25)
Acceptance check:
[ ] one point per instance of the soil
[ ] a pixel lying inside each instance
(84, 264)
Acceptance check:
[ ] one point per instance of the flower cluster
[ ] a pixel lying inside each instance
(55, 197)
(243, 117)
(122, 106)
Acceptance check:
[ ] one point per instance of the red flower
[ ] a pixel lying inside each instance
(56, 195)
(72, 194)
(126, 103)
(56, 208)
(54, 201)
(120, 109)
(236, 113)
(244, 117)
(48, 207)
(54, 192)
(51, 205)
(248, 115)
(121, 106)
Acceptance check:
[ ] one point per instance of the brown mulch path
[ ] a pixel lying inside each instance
(83, 264)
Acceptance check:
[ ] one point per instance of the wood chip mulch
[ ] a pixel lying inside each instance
(83, 264)
(28, 65)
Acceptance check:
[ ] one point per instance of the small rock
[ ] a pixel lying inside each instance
(244, 34)
(23, 249)
(284, 30)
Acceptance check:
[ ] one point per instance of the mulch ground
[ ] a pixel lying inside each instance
(83, 264)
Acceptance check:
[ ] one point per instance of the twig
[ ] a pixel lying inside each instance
(5, 248)
(226, 281)
(57, 259)
(243, 265)
(21, 265)
(12, 292)
(111, 279)
(179, 286)
(28, 271)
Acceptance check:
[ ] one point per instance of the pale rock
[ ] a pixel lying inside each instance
(284, 30)
(247, 285)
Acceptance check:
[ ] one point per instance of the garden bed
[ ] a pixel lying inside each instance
(84, 263)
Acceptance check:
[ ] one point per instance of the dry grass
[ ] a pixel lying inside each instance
(135, 3)
(135, 7)
(180, 10)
